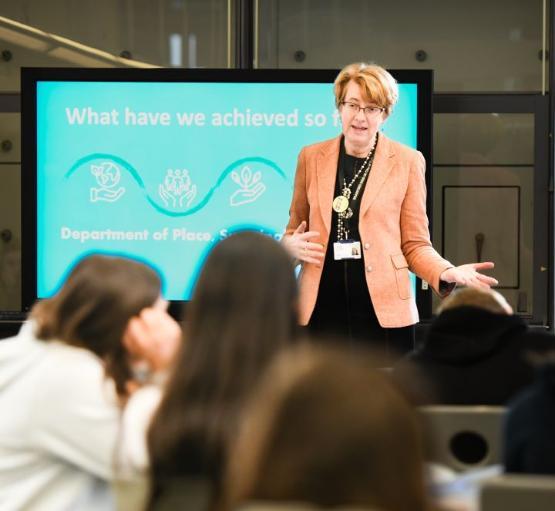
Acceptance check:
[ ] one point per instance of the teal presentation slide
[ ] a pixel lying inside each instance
(161, 171)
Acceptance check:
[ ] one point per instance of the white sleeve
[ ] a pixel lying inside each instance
(137, 416)
(75, 414)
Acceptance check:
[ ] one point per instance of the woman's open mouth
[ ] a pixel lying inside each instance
(359, 129)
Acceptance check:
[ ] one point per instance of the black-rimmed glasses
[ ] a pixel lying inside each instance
(354, 108)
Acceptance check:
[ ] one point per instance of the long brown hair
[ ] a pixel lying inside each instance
(93, 307)
(326, 428)
(243, 310)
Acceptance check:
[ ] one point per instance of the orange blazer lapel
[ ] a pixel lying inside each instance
(326, 170)
(383, 163)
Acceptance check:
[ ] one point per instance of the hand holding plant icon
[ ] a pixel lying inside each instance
(251, 187)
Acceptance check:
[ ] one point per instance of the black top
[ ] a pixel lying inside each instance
(342, 295)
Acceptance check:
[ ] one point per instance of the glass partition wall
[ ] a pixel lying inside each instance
(492, 160)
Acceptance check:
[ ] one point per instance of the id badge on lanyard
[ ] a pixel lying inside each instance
(346, 249)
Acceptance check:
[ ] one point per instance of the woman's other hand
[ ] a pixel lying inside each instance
(469, 275)
(301, 247)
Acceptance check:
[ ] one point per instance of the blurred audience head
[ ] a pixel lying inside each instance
(486, 299)
(94, 306)
(243, 310)
(327, 429)
(246, 291)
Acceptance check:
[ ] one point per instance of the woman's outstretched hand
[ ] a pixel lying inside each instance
(469, 275)
(300, 246)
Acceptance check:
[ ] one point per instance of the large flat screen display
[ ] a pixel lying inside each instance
(160, 164)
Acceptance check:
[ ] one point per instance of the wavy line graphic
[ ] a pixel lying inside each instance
(135, 175)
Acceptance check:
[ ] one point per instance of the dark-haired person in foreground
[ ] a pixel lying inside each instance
(243, 311)
(65, 380)
(476, 350)
(529, 432)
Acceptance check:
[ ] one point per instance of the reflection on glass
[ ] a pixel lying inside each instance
(132, 28)
(176, 47)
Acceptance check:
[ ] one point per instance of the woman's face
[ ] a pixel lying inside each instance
(359, 127)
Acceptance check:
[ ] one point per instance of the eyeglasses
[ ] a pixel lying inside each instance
(369, 111)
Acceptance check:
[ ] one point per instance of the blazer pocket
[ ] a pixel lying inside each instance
(402, 276)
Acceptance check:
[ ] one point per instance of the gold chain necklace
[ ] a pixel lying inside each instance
(341, 202)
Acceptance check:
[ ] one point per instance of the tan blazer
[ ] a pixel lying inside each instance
(393, 226)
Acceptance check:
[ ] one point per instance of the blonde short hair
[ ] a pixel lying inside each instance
(377, 84)
(489, 300)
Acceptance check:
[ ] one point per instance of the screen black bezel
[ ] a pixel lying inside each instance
(31, 76)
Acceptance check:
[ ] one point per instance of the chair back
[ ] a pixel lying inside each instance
(513, 492)
(463, 437)
(179, 493)
(186, 494)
